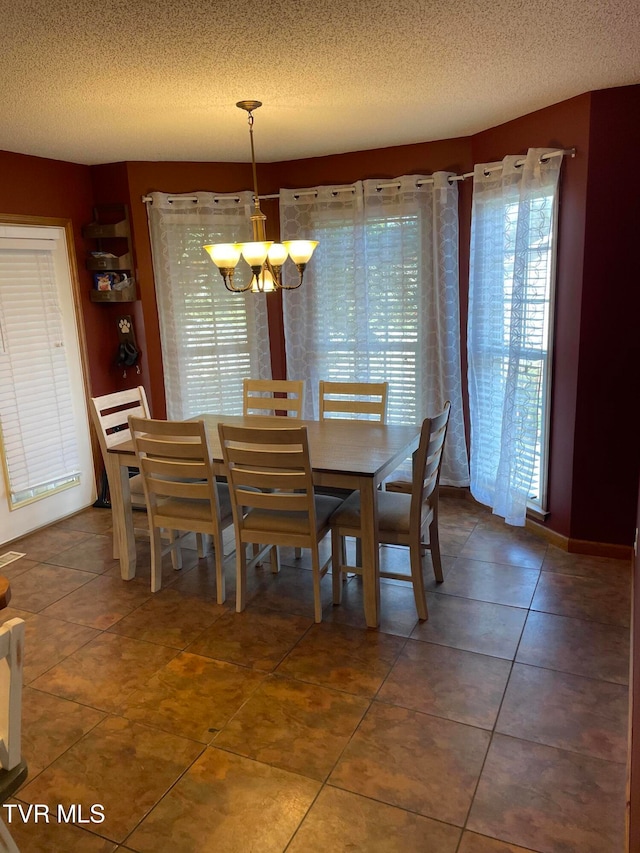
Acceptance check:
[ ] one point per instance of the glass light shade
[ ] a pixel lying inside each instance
(266, 283)
(224, 255)
(278, 254)
(300, 251)
(255, 254)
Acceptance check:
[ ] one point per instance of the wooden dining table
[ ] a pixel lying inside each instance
(347, 454)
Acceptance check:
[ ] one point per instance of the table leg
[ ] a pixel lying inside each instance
(123, 516)
(370, 551)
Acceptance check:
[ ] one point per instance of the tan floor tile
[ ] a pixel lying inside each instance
(105, 673)
(339, 820)
(92, 555)
(192, 696)
(398, 613)
(101, 602)
(567, 711)
(493, 541)
(346, 658)
(573, 645)
(229, 804)
(256, 638)
(558, 561)
(54, 837)
(414, 761)
(45, 543)
(170, 619)
(18, 567)
(91, 772)
(48, 641)
(451, 683)
(472, 843)
(290, 591)
(476, 626)
(50, 726)
(601, 599)
(550, 800)
(483, 581)
(294, 726)
(91, 520)
(42, 585)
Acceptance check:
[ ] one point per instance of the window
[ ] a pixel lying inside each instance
(509, 340)
(211, 339)
(380, 298)
(385, 349)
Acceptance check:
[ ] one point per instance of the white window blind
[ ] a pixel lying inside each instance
(211, 339)
(36, 411)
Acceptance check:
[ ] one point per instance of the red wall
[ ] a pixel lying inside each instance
(607, 449)
(593, 467)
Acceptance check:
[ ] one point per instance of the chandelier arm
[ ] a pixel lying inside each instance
(228, 282)
(294, 286)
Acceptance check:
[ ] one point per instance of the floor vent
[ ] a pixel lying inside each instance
(9, 557)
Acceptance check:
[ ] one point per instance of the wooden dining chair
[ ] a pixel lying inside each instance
(110, 415)
(402, 518)
(273, 499)
(260, 397)
(181, 490)
(13, 768)
(353, 400)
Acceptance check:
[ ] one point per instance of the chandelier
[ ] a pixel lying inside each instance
(265, 257)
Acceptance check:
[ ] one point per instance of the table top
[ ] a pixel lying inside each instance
(359, 448)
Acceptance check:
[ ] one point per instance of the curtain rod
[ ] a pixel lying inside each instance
(561, 152)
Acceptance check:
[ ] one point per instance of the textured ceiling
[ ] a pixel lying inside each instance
(93, 82)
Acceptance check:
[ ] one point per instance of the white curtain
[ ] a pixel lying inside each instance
(380, 298)
(511, 272)
(211, 339)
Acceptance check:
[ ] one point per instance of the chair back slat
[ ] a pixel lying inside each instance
(260, 397)
(354, 398)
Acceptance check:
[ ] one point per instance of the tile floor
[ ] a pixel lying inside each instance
(498, 726)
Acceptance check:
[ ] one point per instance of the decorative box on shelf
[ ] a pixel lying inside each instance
(124, 294)
(112, 260)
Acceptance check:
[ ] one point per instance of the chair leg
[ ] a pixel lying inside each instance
(176, 553)
(256, 551)
(156, 559)
(201, 540)
(417, 576)
(337, 560)
(298, 553)
(219, 558)
(434, 545)
(241, 576)
(275, 560)
(317, 598)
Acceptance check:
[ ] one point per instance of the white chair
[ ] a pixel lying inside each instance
(260, 397)
(110, 415)
(180, 488)
(402, 518)
(273, 499)
(13, 769)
